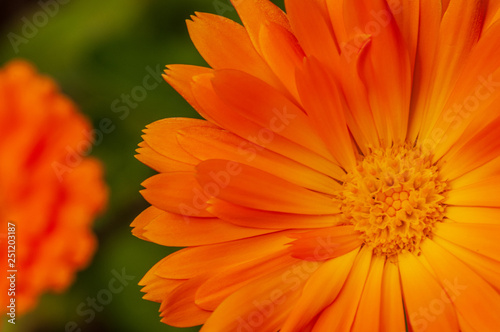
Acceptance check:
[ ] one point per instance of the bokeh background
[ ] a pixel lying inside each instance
(99, 51)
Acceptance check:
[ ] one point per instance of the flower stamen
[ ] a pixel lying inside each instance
(394, 197)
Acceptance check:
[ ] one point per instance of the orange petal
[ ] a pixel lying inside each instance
(428, 305)
(429, 24)
(155, 287)
(176, 192)
(243, 185)
(459, 31)
(483, 193)
(485, 267)
(216, 289)
(225, 44)
(339, 316)
(161, 136)
(464, 325)
(486, 171)
(227, 118)
(256, 13)
(258, 102)
(369, 311)
(407, 16)
(322, 98)
(179, 309)
(174, 230)
(392, 311)
(310, 26)
(246, 217)
(480, 148)
(360, 118)
(282, 53)
(492, 14)
(473, 215)
(180, 78)
(143, 219)
(156, 290)
(326, 243)
(479, 238)
(475, 96)
(473, 298)
(320, 290)
(335, 10)
(263, 304)
(191, 262)
(215, 143)
(159, 162)
(385, 70)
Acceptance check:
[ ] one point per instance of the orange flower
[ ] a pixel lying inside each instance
(49, 193)
(347, 174)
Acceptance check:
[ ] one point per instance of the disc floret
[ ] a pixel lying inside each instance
(394, 197)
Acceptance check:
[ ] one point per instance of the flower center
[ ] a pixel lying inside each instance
(394, 197)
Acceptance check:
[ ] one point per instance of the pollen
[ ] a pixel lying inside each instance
(394, 197)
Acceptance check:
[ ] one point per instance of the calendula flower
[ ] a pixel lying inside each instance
(49, 193)
(346, 177)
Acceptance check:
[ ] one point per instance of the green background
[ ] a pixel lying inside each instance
(98, 50)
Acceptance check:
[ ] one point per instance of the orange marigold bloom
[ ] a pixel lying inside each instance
(346, 176)
(49, 193)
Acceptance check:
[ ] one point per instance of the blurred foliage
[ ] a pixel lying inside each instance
(97, 51)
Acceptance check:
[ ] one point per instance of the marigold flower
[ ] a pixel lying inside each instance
(346, 176)
(48, 190)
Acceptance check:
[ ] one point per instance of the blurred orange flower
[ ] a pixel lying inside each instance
(49, 193)
(346, 177)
